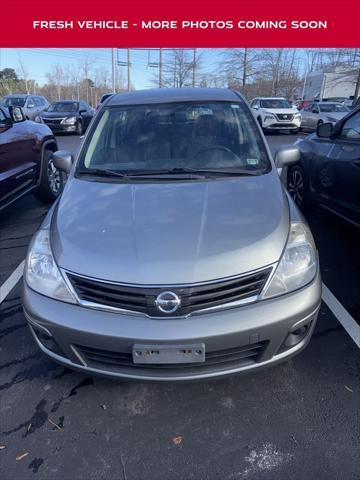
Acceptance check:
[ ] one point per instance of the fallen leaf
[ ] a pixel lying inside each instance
(29, 427)
(55, 424)
(23, 455)
(104, 407)
(177, 440)
(349, 389)
(2, 447)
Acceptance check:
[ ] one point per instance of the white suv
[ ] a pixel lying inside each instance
(276, 114)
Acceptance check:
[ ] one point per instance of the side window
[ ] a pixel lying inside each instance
(316, 108)
(2, 116)
(37, 102)
(351, 128)
(83, 106)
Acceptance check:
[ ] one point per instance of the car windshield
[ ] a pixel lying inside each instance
(275, 103)
(63, 107)
(332, 107)
(13, 101)
(164, 138)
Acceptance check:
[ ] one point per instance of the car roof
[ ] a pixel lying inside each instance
(270, 98)
(19, 95)
(172, 95)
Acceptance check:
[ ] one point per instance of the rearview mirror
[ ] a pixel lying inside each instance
(16, 113)
(287, 155)
(63, 160)
(325, 130)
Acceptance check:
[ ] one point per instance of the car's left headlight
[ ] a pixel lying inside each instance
(297, 115)
(41, 272)
(38, 119)
(69, 120)
(298, 264)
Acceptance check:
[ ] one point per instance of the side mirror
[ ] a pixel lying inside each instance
(287, 155)
(314, 110)
(255, 107)
(16, 114)
(63, 160)
(325, 130)
(6, 124)
(30, 105)
(82, 111)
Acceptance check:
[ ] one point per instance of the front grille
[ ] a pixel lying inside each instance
(52, 121)
(216, 360)
(193, 297)
(283, 125)
(285, 117)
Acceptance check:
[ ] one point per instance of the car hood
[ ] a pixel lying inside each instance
(58, 114)
(335, 115)
(288, 111)
(170, 233)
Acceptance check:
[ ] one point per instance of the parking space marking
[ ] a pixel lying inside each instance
(343, 316)
(10, 283)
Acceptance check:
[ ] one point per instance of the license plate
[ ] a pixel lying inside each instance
(154, 354)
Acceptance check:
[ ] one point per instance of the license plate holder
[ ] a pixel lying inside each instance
(168, 354)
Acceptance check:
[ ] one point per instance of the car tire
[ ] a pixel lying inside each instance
(296, 131)
(297, 186)
(79, 128)
(51, 181)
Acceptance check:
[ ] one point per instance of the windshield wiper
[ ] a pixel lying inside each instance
(210, 171)
(104, 173)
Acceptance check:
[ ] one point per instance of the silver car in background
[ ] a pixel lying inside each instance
(31, 105)
(321, 112)
(175, 252)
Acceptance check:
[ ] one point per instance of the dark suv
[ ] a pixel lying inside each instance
(26, 159)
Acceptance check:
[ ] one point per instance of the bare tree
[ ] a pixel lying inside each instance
(180, 68)
(240, 65)
(24, 73)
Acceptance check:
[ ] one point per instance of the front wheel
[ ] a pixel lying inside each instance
(51, 180)
(79, 128)
(297, 187)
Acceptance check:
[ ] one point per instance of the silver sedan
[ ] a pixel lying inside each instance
(320, 112)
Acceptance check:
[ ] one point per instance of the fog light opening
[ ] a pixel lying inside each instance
(48, 342)
(295, 337)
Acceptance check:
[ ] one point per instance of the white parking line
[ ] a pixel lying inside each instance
(342, 315)
(10, 283)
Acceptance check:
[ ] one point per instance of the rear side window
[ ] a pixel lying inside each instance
(157, 137)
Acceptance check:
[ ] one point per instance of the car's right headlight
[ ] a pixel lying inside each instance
(41, 272)
(298, 264)
(269, 116)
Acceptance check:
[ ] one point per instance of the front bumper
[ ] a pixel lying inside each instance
(61, 128)
(263, 329)
(273, 124)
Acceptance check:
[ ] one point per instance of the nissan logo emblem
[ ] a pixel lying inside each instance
(167, 302)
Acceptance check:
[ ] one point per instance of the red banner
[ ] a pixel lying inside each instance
(186, 23)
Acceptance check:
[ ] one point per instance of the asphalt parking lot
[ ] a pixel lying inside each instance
(299, 420)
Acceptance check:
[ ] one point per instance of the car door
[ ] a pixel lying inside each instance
(313, 116)
(86, 113)
(345, 155)
(17, 158)
(305, 114)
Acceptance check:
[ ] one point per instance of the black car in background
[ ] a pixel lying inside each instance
(67, 116)
(328, 173)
